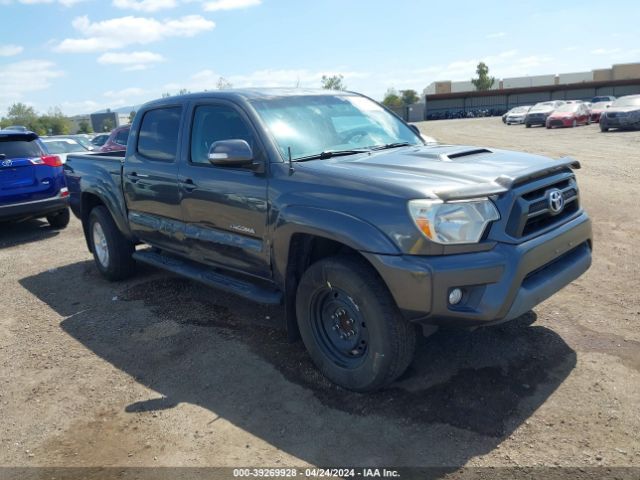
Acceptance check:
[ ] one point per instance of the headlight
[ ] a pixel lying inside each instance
(454, 222)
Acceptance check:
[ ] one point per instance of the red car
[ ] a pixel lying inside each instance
(117, 140)
(597, 109)
(569, 115)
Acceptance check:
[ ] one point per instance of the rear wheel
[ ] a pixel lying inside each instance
(351, 326)
(112, 251)
(59, 220)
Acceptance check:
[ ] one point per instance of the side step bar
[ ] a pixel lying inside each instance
(210, 277)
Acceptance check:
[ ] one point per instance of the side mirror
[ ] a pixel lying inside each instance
(230, 153)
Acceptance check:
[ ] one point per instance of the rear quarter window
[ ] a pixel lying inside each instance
(20, 148)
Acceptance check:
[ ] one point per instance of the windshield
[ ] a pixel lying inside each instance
(520, 110)
(600, 105)
(100, 140)
(64, 146)
(85, 142)
(568, 107)
(543, 106)
(633, 101)
(312, 124)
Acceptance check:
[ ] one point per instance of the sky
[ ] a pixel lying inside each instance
(86, 55)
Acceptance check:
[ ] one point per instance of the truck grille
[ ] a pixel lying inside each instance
(532, 211)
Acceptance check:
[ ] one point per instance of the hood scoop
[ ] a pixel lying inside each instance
(464, 153)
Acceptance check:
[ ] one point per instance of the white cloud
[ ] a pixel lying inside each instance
(10, 50)
(207, 79)
(120, 32)
(125, 93)
(604, 51)
(497, 35)
(230, 4)
(131, 61)
(20, 78)
(145, 5)
(66, 3)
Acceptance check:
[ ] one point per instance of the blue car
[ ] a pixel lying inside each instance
(32, 183)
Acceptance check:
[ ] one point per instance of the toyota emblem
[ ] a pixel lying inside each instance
(7, 162)
(556, 201)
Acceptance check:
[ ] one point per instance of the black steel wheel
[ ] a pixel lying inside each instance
(351, 326)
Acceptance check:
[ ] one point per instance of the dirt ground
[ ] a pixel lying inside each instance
(160, 371)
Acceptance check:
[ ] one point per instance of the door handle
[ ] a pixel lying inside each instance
(189, 185)
(136, 175)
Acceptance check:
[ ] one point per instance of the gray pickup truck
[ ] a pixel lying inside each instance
(331, 205)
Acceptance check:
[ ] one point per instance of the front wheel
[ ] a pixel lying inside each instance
(59, 220)
(351, 326)
(528, 125)
(603, 127)
(112, 251)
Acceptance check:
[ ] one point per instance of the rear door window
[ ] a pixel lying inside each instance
(19, 149)
(158, 137)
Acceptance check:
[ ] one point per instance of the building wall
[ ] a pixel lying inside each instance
(577, 77)
(626, 71)
(603, 75)
(532, 81)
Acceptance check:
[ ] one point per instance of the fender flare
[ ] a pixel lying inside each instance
(330, 224)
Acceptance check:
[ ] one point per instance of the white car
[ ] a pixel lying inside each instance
(61, 146)
(516, 115)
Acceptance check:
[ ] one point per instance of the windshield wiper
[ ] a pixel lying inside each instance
(329, 154)
(391, 145)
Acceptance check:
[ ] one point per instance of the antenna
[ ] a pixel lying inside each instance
(290, 161)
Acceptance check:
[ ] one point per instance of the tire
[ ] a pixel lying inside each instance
(118, 263)
(603, 127)
(343, 297)
(59, 220)
(574, 124)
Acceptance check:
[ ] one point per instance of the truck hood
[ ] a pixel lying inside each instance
(447, 172)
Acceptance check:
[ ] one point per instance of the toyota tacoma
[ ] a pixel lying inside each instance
(329, 204)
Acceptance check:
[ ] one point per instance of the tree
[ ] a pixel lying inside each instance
(132, 115)
(392, 99)
(21, 114)
(484, 81)
(409, 97)
(334, 82)
(224, 84)
(84, 127)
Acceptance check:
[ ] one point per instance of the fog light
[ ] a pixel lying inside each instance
(455, 296)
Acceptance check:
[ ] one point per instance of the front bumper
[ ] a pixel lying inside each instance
(34, 209)
(537, 119)
(559, 122)
(498, 285)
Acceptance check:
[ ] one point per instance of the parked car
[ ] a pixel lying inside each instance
(117, 141)
(331, 205)
(100, 139)
(603, 98)
(84, 140)
(61, 146)
(517, 115)
(32, 184)
(17, 128)
(624, 113)
(540, 111)
(597, 109)
(569, 115)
